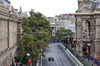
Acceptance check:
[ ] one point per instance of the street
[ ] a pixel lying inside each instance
(61, 58)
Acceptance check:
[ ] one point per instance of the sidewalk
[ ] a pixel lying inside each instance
(90, 62)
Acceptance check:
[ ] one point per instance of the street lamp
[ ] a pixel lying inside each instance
(68, 39)
(29, 60)
(79, 45)
(89, 46)
(28, 54)
(41, 56)
(88, 51)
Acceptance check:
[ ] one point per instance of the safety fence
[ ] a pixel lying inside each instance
(81, 59)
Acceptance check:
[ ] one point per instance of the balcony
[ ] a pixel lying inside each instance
(86, 39)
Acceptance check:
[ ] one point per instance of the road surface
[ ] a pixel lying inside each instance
(61, 58)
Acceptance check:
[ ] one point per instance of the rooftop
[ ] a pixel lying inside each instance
(63, 21)
(70, 14)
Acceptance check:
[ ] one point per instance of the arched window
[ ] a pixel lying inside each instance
(86, 29)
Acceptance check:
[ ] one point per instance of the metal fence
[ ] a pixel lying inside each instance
(81, 59)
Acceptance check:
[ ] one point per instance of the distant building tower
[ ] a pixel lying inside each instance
(20, 9)
(24, 14)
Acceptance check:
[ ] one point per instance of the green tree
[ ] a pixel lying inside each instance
(36, 35)
(63, 34)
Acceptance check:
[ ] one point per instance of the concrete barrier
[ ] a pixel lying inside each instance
(73, 57)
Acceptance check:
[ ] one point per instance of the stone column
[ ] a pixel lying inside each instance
(79, 49)
(97, 38)
(8, 33)
(78, 31)
(92, 49)
(97, 50)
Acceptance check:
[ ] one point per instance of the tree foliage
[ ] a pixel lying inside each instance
(36, 35)
(63, 34)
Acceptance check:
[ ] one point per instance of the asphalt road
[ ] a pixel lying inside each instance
(61, 58)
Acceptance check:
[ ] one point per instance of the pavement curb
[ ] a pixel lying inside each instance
(73, 57)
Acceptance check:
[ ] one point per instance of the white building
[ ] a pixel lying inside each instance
(64, 23)
(5, 2)
(53, 25)
(56, 24)
(67, 24)
(52, 19)
(72, 28)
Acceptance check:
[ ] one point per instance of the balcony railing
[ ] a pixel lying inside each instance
(86, 39)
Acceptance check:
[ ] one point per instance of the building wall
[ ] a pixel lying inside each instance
(52, 24)
(67, 24)
(88, 28)
(52, 19)
(66, 17)
(10, 30)
(65, 20)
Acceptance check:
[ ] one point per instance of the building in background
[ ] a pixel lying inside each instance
(16, 10)
(24, 14)
(67, 24)
(66, 17)
(52, 19)
(66, 21)
(6, 3)
(53, 25)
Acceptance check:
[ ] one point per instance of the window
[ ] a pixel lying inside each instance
(85, 4)
(83, 36)
(1, 2)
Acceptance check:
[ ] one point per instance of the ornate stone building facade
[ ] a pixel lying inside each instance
(88, 27)
(10, 31)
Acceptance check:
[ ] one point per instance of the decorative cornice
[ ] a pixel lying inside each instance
(8, 49)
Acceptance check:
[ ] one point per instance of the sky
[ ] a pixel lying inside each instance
(49, 8)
